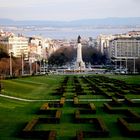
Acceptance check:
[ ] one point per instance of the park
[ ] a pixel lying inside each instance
(69, 70)
(70, 107)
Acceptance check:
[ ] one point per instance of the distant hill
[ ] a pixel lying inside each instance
(131, 21)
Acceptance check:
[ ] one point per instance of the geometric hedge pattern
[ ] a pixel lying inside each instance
(73, 92)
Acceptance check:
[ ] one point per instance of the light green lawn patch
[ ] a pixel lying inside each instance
(32, 87)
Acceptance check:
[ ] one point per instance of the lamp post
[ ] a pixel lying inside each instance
(30, 66)
(39, 61)
(134, 66)
(135, 55)
(40, 66)
(30, 63)
(11, 72)
(126, 64)
(120, 64)
(36, 66)
(44, 66)
(1, 85)
(22, 63)
(126, 58)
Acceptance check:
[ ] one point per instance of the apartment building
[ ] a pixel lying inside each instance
(18, 45)
(125, 48)
(124, 52)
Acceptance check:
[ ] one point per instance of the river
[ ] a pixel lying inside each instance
(71, 33)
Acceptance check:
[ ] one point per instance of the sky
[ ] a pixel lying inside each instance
(67, 10)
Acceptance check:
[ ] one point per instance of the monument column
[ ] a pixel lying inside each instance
(80, 65)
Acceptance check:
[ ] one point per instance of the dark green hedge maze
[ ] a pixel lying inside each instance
(89, 107)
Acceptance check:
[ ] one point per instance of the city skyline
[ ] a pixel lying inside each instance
(67, 10)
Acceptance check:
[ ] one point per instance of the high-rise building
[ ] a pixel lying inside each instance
(124, 51)
(125, 48)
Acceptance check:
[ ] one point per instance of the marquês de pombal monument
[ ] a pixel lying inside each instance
(80, 65)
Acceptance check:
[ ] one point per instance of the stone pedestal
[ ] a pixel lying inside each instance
(80, 65)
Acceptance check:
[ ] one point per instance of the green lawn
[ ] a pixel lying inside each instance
(130, 79)
(14, 114)
(32, 87)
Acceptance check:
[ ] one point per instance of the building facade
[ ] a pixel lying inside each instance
(125, 48)
(103, 43)
(124, 52)
(17, 45)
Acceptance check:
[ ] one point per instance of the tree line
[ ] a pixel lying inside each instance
(66, 55)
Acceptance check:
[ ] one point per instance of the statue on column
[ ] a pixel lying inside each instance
(80, 65)
(79, 39)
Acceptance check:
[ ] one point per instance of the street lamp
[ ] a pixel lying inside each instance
(22, 62)
(36, 66)
(126, 64)
(11, 72)
(1, 85)
(134, 65)
(40, 66)
(120, 63)
(126, 57)
(39, 61)
(135, 55)
(44, 66)
(30, 65)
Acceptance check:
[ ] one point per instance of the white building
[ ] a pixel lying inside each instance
(18, 45)
(41, 48)
(103, 42)
(124, 50)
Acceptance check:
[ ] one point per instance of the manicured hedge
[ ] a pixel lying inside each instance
(130, 113)
(79, 135)
(131, 103)
(119, 95)
(115, 102)
(55, 104)
(126, 129)
(62, 101)
(30, 125)
(112, 110)
(102, 130)
(52, 135)
(75, 101)
(29, 132)
(58, 116)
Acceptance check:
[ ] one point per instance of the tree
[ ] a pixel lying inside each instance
(66, 55)
(62, 56)
(4, 66)
(3, 51)
(93, 56)
(4, 60)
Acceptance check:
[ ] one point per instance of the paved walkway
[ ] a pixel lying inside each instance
(26, 100)
(69, 100)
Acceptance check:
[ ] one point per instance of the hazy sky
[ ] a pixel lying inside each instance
(68, 9)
